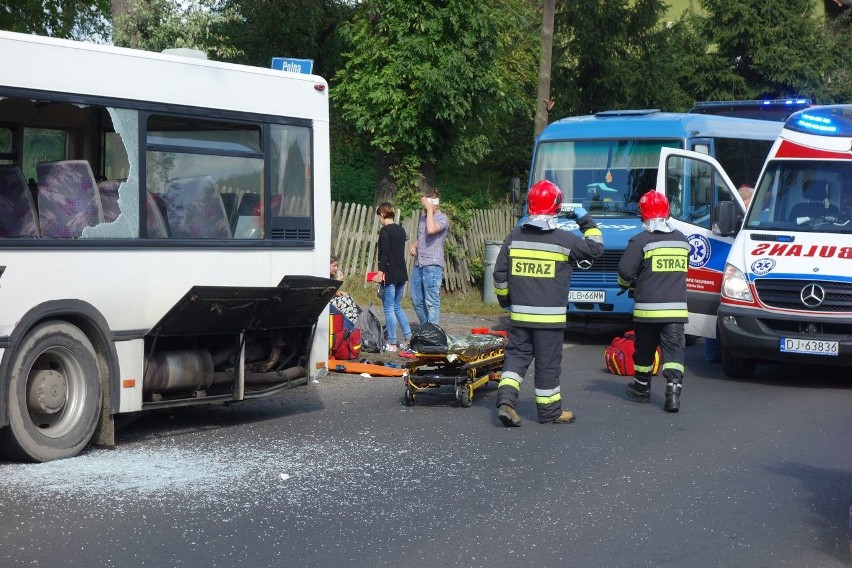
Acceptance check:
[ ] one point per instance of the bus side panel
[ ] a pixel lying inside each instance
(322, 243)
(4, 419)
(131, 359)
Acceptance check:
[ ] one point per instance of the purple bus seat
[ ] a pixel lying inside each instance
(195, 209)
(109, 199)
(109, 202)
(68, 198)
(157, 228)
(17, 211)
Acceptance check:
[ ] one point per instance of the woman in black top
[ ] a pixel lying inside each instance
(393, 274)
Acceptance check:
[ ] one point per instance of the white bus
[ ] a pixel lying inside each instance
(164, 236)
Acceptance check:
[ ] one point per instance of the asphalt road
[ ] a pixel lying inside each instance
(340, 473)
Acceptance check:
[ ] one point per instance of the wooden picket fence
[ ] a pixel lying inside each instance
(355, 235)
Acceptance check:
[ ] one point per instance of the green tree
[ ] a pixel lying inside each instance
(837, 86)
(768, 49)
(433, 81)
(618, 54)
(75, 19)
(288, 28)
(155, 25)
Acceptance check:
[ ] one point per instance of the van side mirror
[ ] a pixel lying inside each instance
(727, 218)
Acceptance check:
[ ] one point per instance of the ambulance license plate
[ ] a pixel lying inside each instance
(810, 346)
(586, 295)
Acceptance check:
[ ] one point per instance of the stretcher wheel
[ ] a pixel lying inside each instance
(464, 395)
(409, 397)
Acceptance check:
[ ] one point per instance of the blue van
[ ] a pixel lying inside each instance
(606, 161)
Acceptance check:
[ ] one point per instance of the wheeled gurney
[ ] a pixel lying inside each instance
(458, 367)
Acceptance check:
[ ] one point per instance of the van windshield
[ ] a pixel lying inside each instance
(606, 177)
(806, 196)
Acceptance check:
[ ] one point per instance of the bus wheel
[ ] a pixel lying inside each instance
(736, 367)
(54, 394)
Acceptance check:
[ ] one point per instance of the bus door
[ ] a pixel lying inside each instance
(694, 184)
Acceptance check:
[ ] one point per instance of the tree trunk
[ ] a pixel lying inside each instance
(428, 177)
(544, 104)
(385, 184)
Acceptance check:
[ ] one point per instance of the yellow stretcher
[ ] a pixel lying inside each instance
(458, 373)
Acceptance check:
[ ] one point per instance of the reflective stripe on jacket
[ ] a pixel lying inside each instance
(656, 265)
(533, 270)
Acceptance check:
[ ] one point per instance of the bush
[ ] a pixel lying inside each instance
(353, 183)
(476, 267)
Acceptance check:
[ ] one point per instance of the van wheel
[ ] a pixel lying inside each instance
(736, 367)
(54, 394)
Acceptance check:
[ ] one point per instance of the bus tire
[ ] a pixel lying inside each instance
(736, 367)
(54, 394)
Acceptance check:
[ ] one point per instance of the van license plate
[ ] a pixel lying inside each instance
(586, 295)
(810, 346)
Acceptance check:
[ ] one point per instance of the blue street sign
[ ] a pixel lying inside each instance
(293, 65)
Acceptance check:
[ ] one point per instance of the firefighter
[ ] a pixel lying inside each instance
(654, 268)
(531, 276)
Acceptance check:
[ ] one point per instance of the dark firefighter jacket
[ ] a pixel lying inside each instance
(655, 265)
(533, 270)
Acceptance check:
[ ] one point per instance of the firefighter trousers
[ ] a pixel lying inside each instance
(671, 339)
(525, 344)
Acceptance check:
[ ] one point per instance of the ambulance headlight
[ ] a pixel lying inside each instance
(735, 285)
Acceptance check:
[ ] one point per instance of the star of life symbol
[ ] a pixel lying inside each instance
(762, 266)
(699, 250)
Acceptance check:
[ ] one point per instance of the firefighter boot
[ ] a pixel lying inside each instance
(672, 397)
(508, 416)
(639, 391)
(567, 417)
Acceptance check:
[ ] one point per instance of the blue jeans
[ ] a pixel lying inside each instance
(426, 292)
(392, 303)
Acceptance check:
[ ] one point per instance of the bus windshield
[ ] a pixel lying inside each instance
(804, 196)
(606, 177)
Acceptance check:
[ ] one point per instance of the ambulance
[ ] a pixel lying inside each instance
(784, 290)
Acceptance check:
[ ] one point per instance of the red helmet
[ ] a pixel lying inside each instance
(544, 198)
(653, 205)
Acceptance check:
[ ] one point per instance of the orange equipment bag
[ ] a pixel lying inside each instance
(618, 356)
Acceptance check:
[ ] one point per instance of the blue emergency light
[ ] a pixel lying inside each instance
(762, 109)
(833, 120)
(798, 103)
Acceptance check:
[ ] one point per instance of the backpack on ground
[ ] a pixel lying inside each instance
(344, 340)
(618, 356)
(372, 331)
